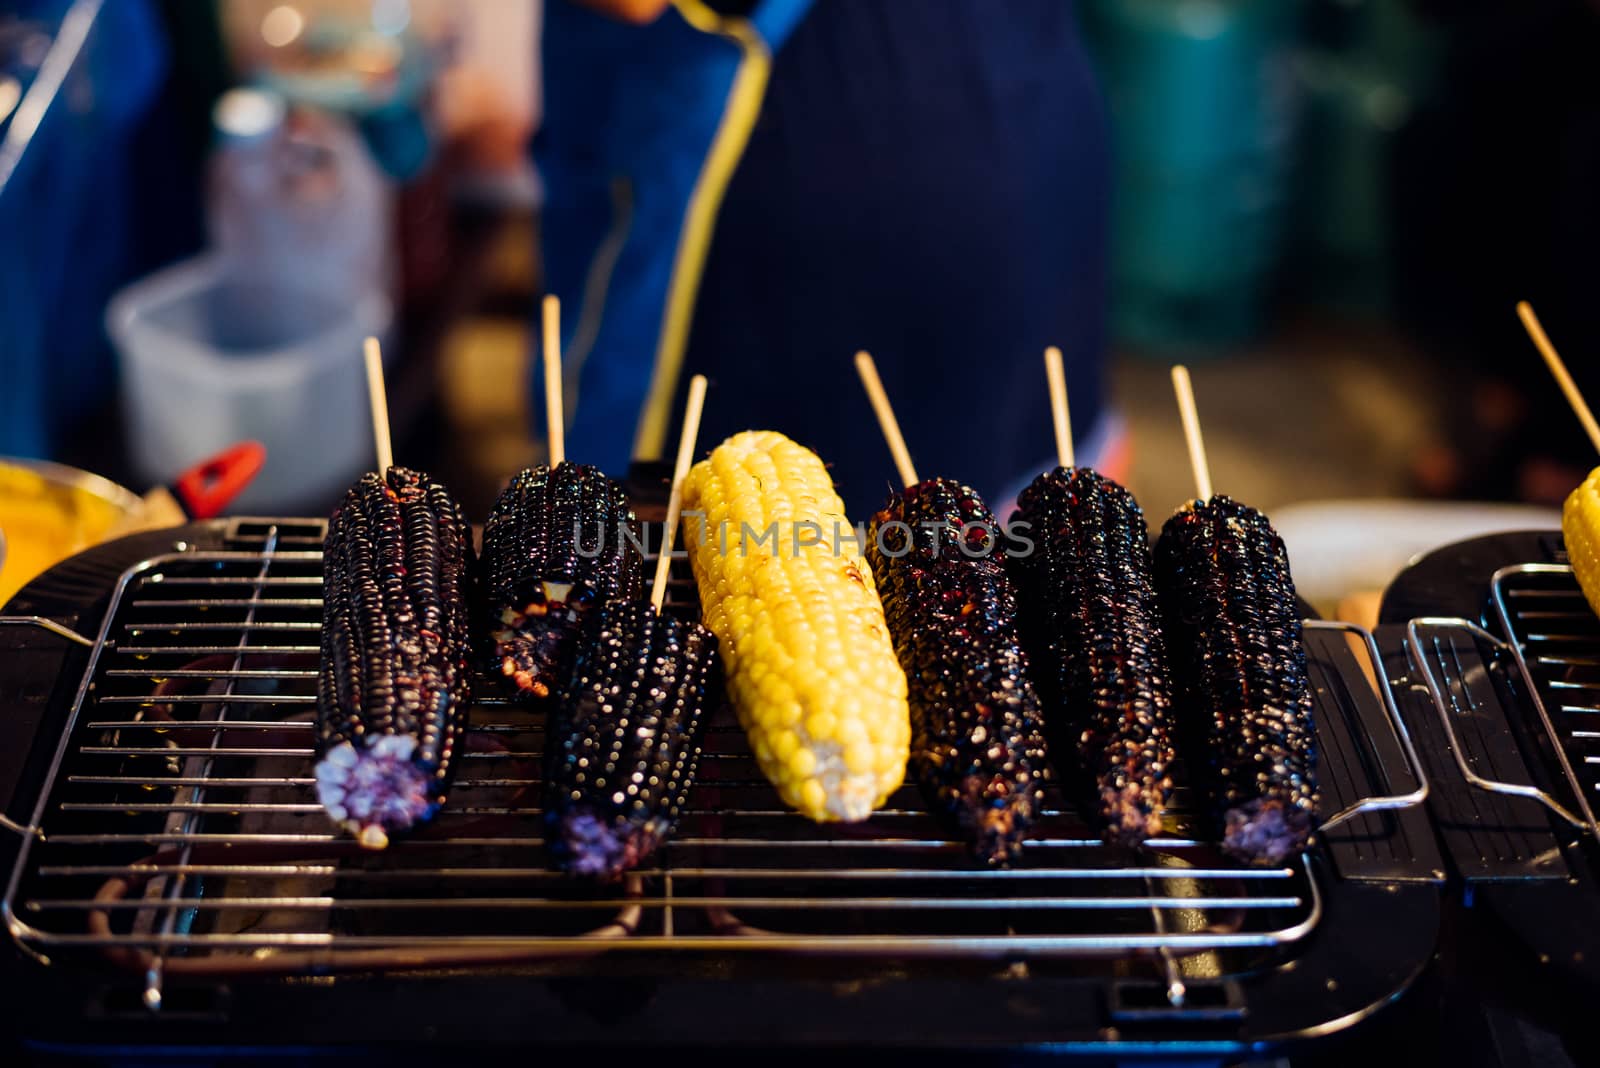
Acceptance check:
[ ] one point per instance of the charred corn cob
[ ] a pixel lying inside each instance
(1093, 635)
(558, 542)
(977, 754)
(1580, 526)
(624, 740)
(393, 689)
(1233, 624)
(810, 668)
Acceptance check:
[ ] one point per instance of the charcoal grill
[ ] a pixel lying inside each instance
(172, 880)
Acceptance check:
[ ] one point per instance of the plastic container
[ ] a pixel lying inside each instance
(294, 194)
(1204, 102)
(1368, 71)
(208, 359)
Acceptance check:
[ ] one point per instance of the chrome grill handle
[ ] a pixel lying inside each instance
(60, 631)
(1496, 786)
(1387, 802)
(50, 625)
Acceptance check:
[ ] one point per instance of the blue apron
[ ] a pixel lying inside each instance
(925, 180)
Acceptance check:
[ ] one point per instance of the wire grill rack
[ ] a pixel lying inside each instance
(177, 830)
(1552, 640)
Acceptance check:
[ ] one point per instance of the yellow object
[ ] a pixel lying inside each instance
(739, 116)
(48, 513)
(1580, 525)
(810, 667)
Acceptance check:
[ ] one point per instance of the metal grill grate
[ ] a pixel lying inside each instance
(1553, 640)
(178, 830)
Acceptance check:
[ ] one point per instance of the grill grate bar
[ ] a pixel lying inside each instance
(148, 783)
(680, 842)
(283, 724)
(173, 626)
(213, 650)
(849, 945)
(272, 581)
(208, 699)
(233, 602)
(951, 904)
(199, 724)
(1553, 660)
(780, 874)
(307, 751)
(287, 808)
(1543, 595)
(193, 673)
(193, 750)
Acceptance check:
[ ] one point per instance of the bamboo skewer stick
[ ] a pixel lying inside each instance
(1558, 368)
(555, 424)
(886, 420)
(680, 471)
(1059, 412)
(378, 397)
(1191, 431)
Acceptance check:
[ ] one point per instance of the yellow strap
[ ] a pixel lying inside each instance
(700, 219)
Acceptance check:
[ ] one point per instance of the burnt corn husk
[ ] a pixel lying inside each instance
(1092, 629)
(1233, 623)
(624, 739)
(977, 750)
(393, 688)
(559, 541)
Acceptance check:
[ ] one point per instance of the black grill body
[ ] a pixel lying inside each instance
(750, 957)
(1521, 952)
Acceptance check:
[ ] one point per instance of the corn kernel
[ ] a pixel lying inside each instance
(813, 798)
(802, 762)
(821, 725)
(784, 743)
(859, 757)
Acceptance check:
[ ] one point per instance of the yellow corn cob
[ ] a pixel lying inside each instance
(1580, 525)
(810, 667)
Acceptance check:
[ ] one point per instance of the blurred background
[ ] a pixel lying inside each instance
(1328, 208)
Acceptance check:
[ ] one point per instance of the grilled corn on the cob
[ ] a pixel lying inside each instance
(624, 740)
(393, 689)
(1233, 624)
(1093, 633)
(809, 665)
(977, 753)
(558, 542)
(1580, 526)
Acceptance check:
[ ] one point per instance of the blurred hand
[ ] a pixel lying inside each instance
(638, 12)
(476, 116)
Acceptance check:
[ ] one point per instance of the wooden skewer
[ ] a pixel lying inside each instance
(1552, 359)
(1057, 378)
(1191, 431)
(680, 471)
(555, 424)
(379, 399)
(886, 420)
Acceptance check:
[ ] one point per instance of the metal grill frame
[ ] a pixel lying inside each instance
(1301, 904)
(1512, 640)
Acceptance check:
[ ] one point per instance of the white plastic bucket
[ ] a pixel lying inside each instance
(208, 359)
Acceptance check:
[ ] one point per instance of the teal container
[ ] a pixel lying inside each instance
(1203, 100)
(1369, 69)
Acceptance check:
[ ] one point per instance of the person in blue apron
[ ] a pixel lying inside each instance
(756, 189)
